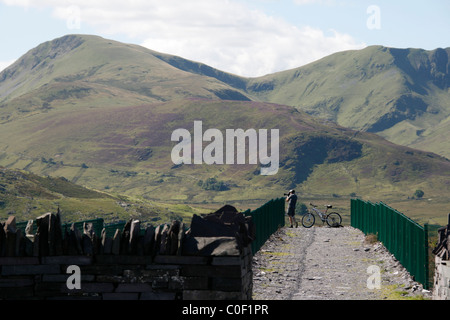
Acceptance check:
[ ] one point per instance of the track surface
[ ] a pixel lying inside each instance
(328, 263)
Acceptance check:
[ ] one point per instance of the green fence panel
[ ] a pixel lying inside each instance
(110, 229)
(403, 237)
(97, 224)
(22, 226)
(267, 219)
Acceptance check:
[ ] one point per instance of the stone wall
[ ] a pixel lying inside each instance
(441, 287)
(122, 277)
(211, 260)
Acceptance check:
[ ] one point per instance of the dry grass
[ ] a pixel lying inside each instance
(371, 239)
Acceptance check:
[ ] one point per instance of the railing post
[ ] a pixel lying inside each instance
(426, 283)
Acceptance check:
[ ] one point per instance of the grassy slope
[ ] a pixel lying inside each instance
(127, 151)
(401, 94)
(83, 72)
(27, 196)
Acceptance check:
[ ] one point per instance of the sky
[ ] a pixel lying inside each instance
(245, 37)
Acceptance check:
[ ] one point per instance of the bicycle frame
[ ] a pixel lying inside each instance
(322, 215)
(332, 218)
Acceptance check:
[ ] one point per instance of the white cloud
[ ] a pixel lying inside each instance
(224, 34)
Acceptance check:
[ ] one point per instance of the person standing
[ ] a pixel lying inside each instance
(292, 202)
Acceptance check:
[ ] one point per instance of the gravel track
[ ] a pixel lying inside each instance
(323, 263)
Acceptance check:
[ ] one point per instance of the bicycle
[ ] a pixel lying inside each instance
(333, 219)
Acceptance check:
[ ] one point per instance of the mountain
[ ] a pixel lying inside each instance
(101, 114)
(93, 71)
(400, 94)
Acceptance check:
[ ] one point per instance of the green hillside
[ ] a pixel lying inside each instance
(89, 71)
(400, 94)
(126, 150)
(27, 196)
(101, 113)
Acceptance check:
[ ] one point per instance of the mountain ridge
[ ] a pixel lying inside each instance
(414, 75)
(401, 94)
(103, 67)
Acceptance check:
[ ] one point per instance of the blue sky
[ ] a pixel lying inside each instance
(247, 37)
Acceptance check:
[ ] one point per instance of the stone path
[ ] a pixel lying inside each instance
(328, 263)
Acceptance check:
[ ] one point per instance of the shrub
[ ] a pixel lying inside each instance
(213, 184)
(419, 194)
(371, 238)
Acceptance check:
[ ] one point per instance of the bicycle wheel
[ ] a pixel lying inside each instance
(334, 219)
(308, 220)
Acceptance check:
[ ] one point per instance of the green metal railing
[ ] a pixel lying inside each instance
(403, 237)
(267, 219)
